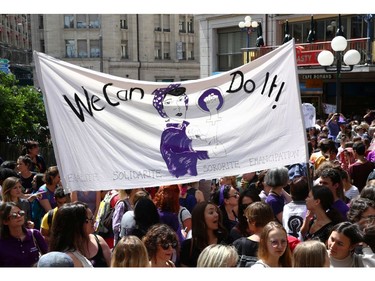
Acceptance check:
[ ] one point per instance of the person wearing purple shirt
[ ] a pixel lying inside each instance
(331, 178)
(19, 246)
(333, 125)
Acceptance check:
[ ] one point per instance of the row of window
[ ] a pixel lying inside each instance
(83, 48)
(82, 21)
(93, 21)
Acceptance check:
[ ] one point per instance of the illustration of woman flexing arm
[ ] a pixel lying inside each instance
(175, 145)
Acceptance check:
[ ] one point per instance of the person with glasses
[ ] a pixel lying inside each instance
(72, 233)
(161, 242)
(273, 248)
(226, 198)
(19, 246)
(362, 212)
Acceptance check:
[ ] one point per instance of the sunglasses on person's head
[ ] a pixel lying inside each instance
(90, 219)
(165, 246)
(14, 215)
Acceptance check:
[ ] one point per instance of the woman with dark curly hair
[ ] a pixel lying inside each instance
(161, 243)
(362, 212)
(207, 229)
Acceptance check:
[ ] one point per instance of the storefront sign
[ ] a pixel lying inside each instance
(316, 76)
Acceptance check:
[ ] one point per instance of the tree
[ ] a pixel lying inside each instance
(22, 112)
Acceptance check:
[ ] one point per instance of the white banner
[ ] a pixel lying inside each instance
(110, 132)
(328, 108)
(309, 115)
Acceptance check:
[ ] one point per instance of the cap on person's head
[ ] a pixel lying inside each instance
(55, 259)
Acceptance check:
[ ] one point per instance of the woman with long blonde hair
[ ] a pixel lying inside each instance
(273, 248)
(130, 251)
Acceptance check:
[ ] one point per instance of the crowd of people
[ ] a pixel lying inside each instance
(315, 214)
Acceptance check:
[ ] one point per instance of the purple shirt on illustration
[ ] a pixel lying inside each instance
(176, 149)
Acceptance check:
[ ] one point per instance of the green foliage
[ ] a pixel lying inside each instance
(22, 112)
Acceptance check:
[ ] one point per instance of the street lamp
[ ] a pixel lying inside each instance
(350, 58)
(249, 26)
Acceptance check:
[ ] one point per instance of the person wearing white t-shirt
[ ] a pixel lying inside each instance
(350, 190)
(295, 211)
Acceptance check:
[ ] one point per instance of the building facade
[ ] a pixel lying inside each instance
(137, 46)
(15, 46)
(223, 44)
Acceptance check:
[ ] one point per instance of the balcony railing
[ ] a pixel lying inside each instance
(307, 53)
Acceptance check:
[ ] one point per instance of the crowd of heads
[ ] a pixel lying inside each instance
(315, 214)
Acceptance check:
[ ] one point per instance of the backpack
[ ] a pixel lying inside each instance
(246, 261)
(103, 222)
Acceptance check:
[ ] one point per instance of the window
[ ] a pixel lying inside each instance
(70, 48)
(82, 48)
(357, 27)
(68, 21)
(179, 50)
(124, 49)
(184, 51)
(190, 26)
(94, 21)
(41, 22)
(164, 80)
(81, 21)
(230, 43)
(190, 51)
(157, 50)
(42, 46)
(166, 51)
(182, 25)
(166, 23)
(94, 49)
(157, 22)
(123, 23)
